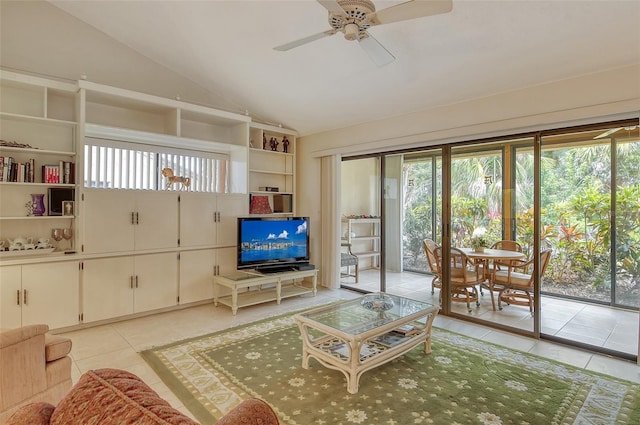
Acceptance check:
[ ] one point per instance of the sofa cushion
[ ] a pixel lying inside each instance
(251, 411)
(56, 347)
(115, 397)
(32, 414)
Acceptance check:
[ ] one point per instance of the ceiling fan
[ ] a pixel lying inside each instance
(615, 130)
(354, 17)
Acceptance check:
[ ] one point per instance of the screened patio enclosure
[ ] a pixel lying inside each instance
(575, 191)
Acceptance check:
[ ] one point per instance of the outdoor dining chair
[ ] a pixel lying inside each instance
(429, 246)
(516, 287)
(465, 275)
(487, 268)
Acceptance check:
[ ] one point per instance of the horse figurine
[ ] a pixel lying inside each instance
(171, 179)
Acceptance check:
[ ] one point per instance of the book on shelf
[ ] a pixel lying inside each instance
(51, 173)
(19, 172)
(63, 172)
(6, 168)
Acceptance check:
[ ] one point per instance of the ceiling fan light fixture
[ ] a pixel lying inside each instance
(354, 18)
(351, 31)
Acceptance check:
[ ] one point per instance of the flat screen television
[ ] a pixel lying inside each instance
(273, 244)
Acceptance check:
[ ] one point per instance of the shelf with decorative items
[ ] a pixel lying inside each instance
(38, 131)
(35, 176)
(272, 167)
(362, 232)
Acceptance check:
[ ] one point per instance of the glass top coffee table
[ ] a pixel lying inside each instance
(358, 335)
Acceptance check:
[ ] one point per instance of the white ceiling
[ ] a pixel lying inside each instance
(480, 48)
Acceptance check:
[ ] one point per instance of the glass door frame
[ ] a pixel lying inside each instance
(380, 198)
(509, 177)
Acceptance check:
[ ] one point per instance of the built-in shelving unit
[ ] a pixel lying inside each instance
(167, 244)
(38, 118)
(272, 168)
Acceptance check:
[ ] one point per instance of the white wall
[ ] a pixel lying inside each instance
(360, 187)
(36, 37)
(598, 97)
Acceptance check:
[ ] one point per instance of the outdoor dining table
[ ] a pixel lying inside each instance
(488, 255)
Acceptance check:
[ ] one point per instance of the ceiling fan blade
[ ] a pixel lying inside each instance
(410, 10)
(375, 50)
(607, 133)
(305, 40)
(331, 6)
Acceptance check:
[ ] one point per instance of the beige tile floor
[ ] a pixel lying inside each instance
(597, 325)
(117, 345)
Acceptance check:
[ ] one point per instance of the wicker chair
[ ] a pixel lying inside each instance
(487, 268)
(429, 246)
(506, 245)
(465, 275)
(348, 259)
(517, 287)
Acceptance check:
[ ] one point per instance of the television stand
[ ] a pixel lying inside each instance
(250, 288)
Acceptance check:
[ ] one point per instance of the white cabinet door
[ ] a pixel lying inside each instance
(156, 281)
(108, 220)
(156, 220)
(10, 297)
(226, 259)
(230, 207)
(107, 288)
(198, 224)
(196, 275)
(51, 294)
(124, 220)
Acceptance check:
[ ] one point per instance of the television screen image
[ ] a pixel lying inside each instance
(272, 242)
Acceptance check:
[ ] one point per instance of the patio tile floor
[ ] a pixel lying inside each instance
(600, 326)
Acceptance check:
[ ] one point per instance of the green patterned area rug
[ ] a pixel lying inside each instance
(463, 381)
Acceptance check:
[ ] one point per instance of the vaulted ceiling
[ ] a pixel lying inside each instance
(478, 49)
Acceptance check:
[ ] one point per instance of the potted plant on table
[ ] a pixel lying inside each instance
(478, 241)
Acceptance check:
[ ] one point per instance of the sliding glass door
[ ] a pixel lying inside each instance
(590, 217)
(573, 194)
(412, 213)
(361, 239)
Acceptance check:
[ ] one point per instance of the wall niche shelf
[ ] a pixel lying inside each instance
(273, 168)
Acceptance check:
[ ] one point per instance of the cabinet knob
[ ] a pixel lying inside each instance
(24, 296)
(17, 297)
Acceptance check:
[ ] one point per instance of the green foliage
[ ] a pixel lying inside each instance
(576, 211)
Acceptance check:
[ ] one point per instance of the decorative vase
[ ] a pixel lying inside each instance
(378, 302)
(478, 249)
(37, 201)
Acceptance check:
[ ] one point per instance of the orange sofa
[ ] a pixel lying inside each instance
(117, 397)
(34, 367)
